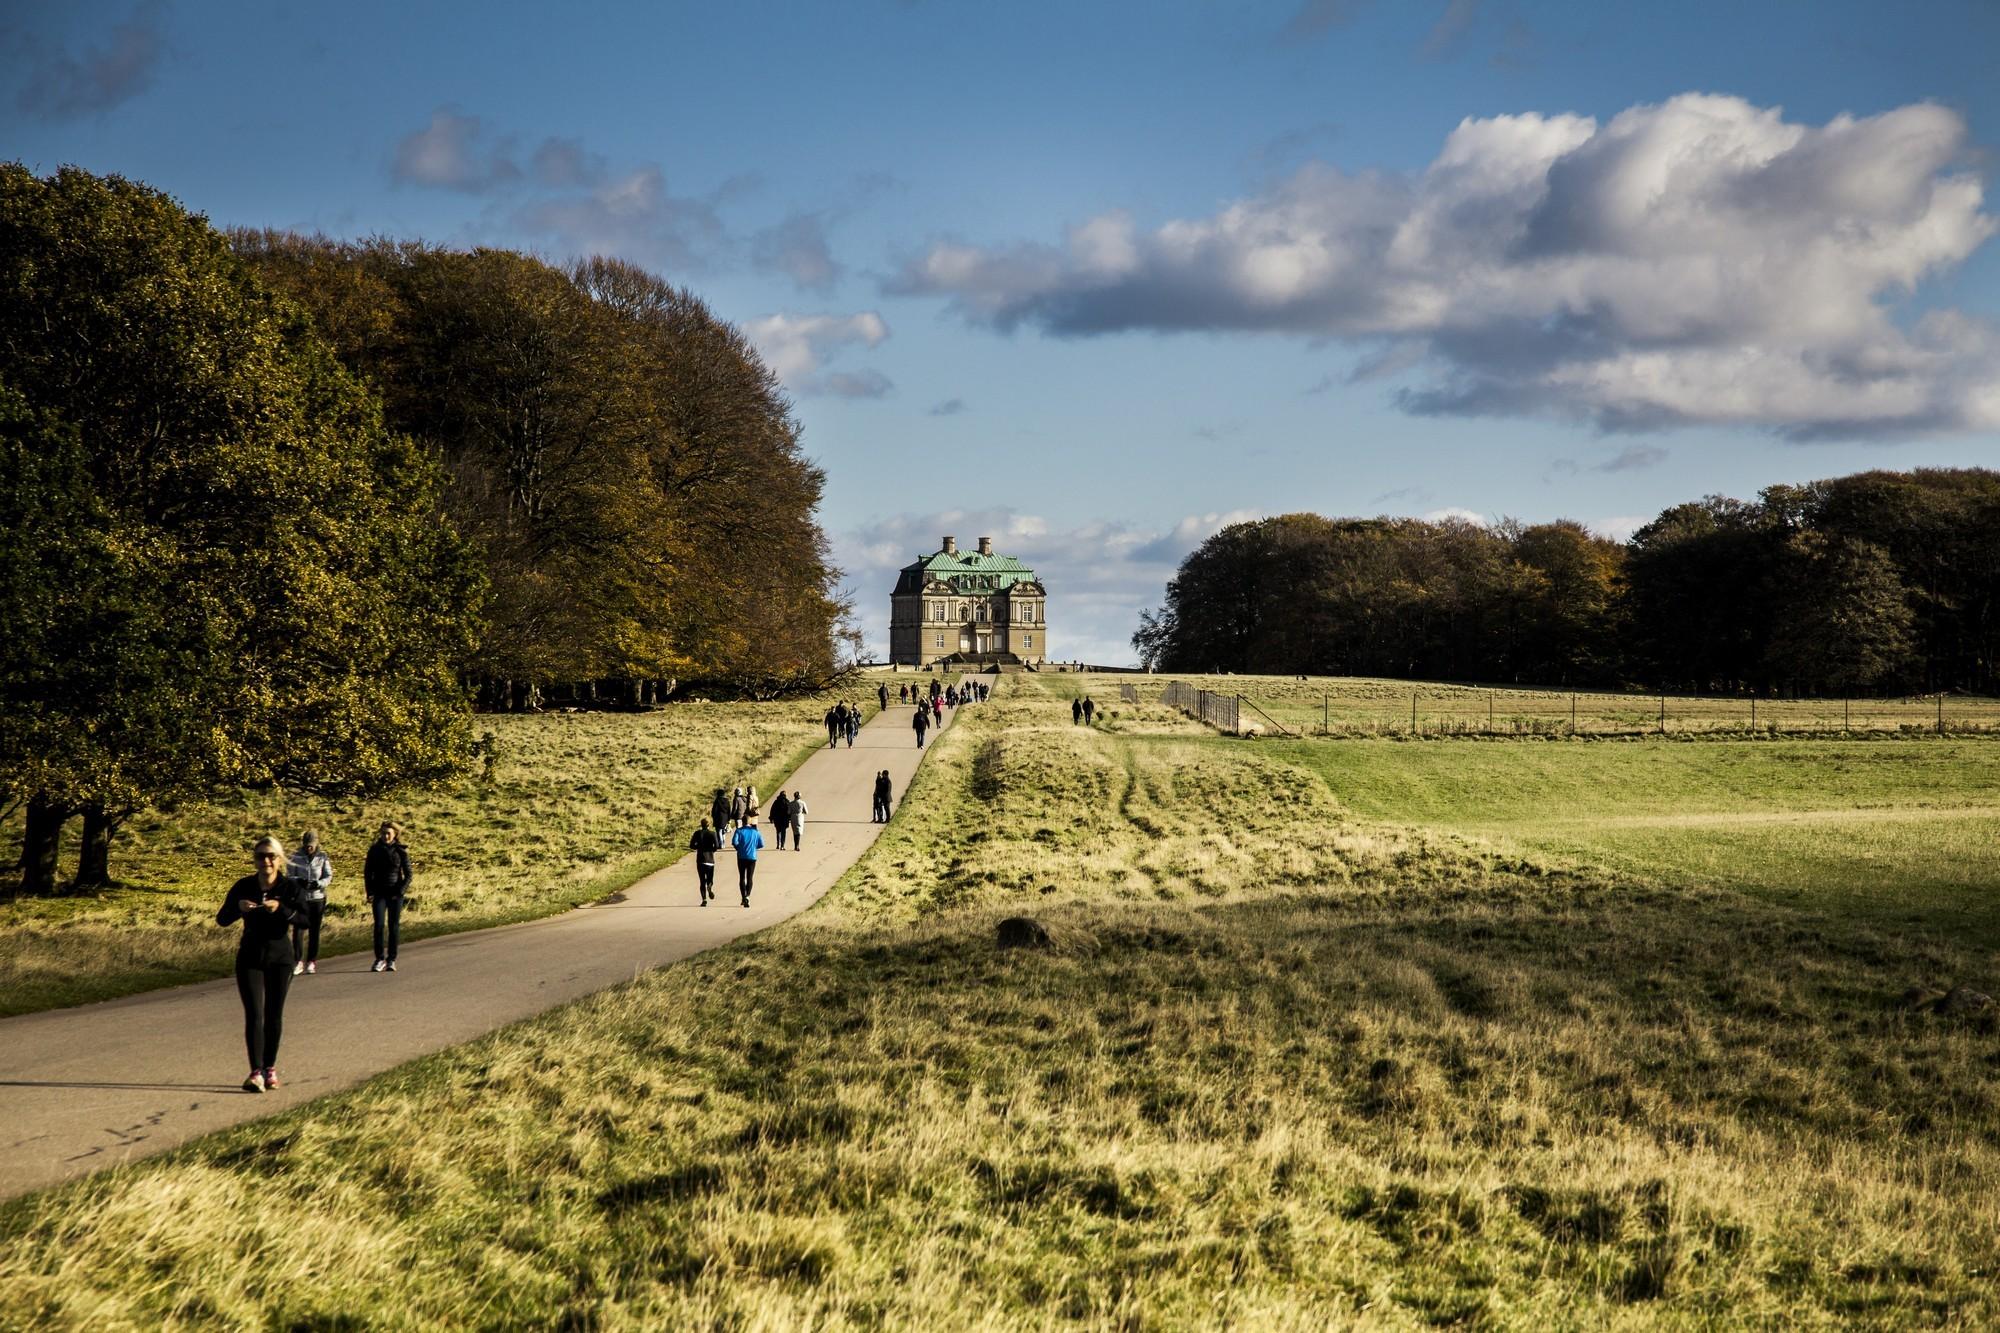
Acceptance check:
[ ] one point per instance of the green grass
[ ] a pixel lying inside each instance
(1294, 1062)
(1904, 834)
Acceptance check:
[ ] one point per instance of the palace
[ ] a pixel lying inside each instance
(971, 606)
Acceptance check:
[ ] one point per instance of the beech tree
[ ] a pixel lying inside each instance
(228, 571)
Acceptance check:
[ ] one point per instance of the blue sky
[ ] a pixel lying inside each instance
(1095, 279)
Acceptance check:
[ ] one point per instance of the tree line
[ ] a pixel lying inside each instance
(1877, 582)
(275, 509)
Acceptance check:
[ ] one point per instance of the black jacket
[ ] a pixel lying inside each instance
(387, 872)
(704, 844)
(262, 929)
(781, 811)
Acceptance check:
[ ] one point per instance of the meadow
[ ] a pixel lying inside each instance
(1321, 1039)
(572, 807)
(1362, 706)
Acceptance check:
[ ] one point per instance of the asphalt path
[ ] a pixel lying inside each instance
(87, 1088)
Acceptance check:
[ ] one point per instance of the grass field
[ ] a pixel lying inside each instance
(576, 806)
(1360, 706)
(1319, 1043)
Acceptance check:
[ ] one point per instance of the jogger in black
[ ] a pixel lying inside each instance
(269, 904)
(704, 844)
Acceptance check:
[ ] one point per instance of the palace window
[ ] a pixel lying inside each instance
(1027, 640)
(937, 611)
(940, 640)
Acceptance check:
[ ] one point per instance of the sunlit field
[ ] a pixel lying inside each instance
(1316, 1043)
(574, 806)
(1360, 706)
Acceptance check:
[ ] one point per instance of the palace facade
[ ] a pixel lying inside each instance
(973, 605)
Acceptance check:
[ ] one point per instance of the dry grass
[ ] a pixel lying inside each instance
(1286, 1068)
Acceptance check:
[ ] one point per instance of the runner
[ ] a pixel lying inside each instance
(704, 844)
(268, 903)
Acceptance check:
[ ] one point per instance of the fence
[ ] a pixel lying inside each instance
(1220, 711)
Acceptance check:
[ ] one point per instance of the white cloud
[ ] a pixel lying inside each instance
(1702, 260)
(1100, 575)
(455, 152)
(1452, 514)
(1620, 527)
(796, 346)
(631, 214)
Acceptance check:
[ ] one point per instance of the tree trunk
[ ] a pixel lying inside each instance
(93, 870)
(39, 841)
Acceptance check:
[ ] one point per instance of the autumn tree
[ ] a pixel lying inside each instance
(233, 573)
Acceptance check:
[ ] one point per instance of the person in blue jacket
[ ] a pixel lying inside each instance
(747, 842)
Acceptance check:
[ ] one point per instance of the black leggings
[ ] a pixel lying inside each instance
(262, 979)
(392, 909)
(746, 871)
(305, 935)
(706, 871)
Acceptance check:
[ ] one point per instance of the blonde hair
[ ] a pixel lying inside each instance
(269, 844)
(391, 826)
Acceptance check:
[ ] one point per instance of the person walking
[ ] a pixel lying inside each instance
(922, 722)
(736, 809)
(704, 844)
(747, 842)
(882, 788)
(798, 812)
(309, 865)
(269, 903)
(1075, 711)
(751, 806)
(1089, 710)
(882, 695)
(385, 878)
(781, 816)
(718, 812)
(937, 711)
(833, 726)
(853, 726)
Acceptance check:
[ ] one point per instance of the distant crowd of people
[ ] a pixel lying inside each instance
(282, 903)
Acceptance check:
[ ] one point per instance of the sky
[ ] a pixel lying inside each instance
(1095, 280)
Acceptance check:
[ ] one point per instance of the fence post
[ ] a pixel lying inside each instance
(1413, 712)
(1572, 712)
(1489, 712)
(1663, 712)
(1846, 715)
(1753, 712)
(1326, 715)
(1940, 712)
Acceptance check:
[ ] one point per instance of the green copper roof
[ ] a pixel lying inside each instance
(995, 572)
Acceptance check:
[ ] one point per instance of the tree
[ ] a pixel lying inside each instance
(234, 574)
(1843, 616)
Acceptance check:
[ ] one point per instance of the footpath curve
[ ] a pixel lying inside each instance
(88, 1088)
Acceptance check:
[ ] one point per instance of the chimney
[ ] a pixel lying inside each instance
(986, 546)
(951, 546)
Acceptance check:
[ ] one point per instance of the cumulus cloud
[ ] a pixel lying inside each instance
(61, 85)
(1457, 515)
(1618, 528)
(1702, 260)
(455, 152)
(795, 347)
(950, 407)
(1100, 575)
(631, 214)
(797, 248)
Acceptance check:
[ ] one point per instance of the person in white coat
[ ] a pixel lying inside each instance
(798, 819)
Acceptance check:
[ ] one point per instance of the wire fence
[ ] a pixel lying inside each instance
(1340, 707)
(1220, 711)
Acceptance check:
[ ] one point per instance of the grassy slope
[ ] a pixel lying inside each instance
(579, 805)
(1286, 1067)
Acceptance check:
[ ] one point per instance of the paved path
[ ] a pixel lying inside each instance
(86, 1088)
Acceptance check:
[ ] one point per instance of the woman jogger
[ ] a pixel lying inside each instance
(268, 903)
(704, 845)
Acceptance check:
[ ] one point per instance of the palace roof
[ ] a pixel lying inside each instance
(968, 571)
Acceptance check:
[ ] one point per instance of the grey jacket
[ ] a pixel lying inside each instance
(315, 871)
